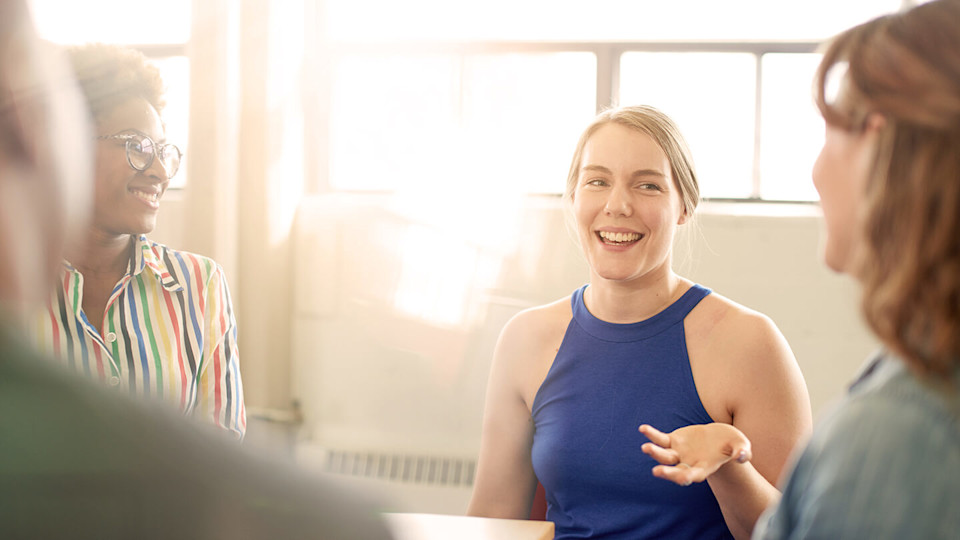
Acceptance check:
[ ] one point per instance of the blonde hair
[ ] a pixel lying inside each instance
(664, 131)
(906, 68)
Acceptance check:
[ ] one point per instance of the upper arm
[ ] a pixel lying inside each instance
(768, 398)
(221, 396)
(505, 482)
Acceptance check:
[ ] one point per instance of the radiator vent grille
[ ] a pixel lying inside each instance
(428, 470)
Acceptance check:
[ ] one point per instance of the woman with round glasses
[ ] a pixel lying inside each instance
(130, 312)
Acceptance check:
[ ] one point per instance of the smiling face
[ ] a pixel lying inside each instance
(126, 201)
(626, 206)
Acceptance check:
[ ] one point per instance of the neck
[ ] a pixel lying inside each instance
(629, 302)
(102, 253)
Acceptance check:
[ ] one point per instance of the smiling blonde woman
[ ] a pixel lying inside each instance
(572, 381)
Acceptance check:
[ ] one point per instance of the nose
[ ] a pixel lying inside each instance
(618, 203)
(157, 170)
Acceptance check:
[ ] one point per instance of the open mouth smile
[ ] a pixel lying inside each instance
(151, 197)
(618, 238)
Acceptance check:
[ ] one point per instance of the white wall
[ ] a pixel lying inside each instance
(373, 373)
(766, 257)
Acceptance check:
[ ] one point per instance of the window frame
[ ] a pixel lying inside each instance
(608, 56)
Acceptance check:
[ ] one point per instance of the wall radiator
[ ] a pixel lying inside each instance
(402, 482)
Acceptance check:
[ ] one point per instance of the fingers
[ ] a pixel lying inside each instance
(682, 474)
(740, 452)
(663, 456)
(656, 436)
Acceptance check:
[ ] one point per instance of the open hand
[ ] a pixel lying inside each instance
(692, 453)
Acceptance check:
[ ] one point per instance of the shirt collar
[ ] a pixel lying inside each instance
(148, 255)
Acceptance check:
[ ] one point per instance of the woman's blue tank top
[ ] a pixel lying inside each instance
(605, 381)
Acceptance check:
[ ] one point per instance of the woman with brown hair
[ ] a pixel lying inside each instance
(886, 462)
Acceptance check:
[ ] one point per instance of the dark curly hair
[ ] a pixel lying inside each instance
(109, 75)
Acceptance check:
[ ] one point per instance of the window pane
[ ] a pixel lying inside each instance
(392, 120)
(523, 113)
(791, 127)
(400, 122)
(711, 97)
(175, 71)
(112, 21)
(597, 20)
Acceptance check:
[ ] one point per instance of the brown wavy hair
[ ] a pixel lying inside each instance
(906, 68)
(109, 75)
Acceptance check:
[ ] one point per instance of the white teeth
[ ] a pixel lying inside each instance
(149, 197)
(619, 237)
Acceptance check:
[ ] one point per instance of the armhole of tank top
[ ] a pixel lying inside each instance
(546, 377)
(688, 369)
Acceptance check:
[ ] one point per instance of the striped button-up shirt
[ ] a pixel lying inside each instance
(168, 332)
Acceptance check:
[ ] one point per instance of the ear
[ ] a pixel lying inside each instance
(684, 216)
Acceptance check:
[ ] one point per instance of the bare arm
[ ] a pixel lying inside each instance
(767, 403)
(505, 482)
(695, 453)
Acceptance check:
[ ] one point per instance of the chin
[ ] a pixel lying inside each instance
(145, 227)
(838, 262)
(610, 274)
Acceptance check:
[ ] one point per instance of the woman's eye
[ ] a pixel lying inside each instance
(596, 182)
(650, 187)
(145, 146)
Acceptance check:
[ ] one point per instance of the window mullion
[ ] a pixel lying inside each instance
(756, 190)
(608, 76)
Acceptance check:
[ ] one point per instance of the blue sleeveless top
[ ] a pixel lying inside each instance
(605, 381)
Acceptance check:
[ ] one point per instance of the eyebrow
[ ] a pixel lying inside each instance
(636, 174)
(133, 131)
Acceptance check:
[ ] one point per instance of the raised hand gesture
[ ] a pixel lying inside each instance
(692, 453)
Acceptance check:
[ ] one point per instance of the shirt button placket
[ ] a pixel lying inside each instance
(113, 381)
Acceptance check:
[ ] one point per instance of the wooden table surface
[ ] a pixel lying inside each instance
(447, 527)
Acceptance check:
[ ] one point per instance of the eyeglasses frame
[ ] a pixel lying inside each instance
(130, 138)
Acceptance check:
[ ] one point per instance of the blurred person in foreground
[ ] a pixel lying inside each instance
(886, 462)
(77, 461)
(131, 313)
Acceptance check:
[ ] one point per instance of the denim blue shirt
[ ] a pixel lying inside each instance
(884, 464)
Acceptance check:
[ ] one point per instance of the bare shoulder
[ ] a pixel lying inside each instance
(528, 344)
(725, 325)
(537, 326)
(739, 359)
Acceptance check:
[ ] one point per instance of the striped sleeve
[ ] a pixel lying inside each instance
(221, 390)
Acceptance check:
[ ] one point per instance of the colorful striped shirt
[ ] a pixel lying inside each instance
(169, 332)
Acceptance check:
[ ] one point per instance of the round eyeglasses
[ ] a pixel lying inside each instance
(141, 151)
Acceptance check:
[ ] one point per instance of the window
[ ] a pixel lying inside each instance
(498, 92)
(508, 121)
(160, 30)
(711, 97)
